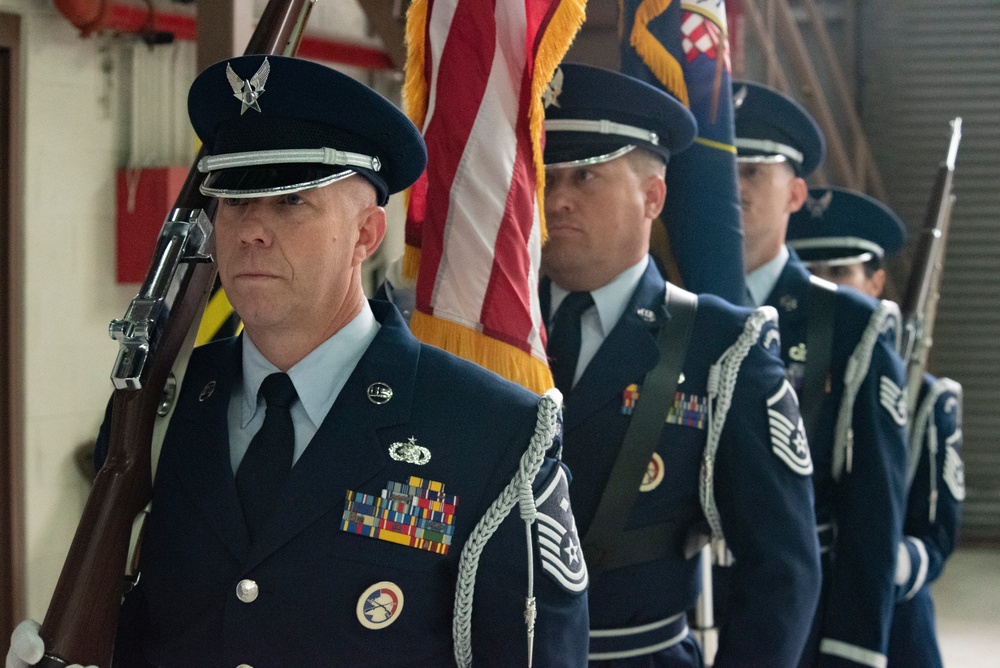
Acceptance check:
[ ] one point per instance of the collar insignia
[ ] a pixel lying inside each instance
(248, 91)
(550, 98)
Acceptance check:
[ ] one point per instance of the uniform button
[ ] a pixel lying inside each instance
(247, 591)
(244, 665)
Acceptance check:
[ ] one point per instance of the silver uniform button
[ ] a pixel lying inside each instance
(247, 591)
(244, 665)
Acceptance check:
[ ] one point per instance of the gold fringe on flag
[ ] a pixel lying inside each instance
(559, 34)
(415, 101)
(414, 84)
(663, 65)
(501, 358)
(411, 262)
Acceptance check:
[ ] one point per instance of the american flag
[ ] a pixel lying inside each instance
(475, 74)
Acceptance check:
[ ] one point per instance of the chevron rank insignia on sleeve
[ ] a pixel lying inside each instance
(893, 400)
(954, 469)
(788, 433)
(558, 540)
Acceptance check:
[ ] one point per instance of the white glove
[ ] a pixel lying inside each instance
(27, 648)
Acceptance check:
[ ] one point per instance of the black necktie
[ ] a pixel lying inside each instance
(564, 343)
(268, 460)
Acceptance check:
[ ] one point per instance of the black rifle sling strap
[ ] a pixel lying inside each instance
(607, 545)
(819, 348)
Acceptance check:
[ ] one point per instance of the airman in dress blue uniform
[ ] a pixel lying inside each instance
(844, 237)
(679, 422)
(407, 526)
(840, 350)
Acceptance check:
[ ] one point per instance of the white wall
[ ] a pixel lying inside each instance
(70, 134)
(75, 137)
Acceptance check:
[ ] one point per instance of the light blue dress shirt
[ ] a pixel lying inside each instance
(761, 281)
(597, 321)
(318, 378)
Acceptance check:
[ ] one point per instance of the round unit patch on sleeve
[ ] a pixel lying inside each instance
(788, 433)
(558, 540)
(380, 605)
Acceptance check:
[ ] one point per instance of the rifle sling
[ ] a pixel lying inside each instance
(607, 545)
(819, 348)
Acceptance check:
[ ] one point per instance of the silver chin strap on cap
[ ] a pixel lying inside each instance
(602, 127)
(320, 156)
(775, 151)
(867, 250)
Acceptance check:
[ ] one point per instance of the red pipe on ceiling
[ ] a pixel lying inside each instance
(95, 15)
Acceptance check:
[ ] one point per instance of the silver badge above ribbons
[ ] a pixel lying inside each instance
(410, 452)
(379, 393)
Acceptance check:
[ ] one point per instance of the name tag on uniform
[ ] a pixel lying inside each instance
(417, 514)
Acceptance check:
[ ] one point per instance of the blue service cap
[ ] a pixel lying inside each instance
(839, 226)
(770, 127)
(594, 115)
(273, 124)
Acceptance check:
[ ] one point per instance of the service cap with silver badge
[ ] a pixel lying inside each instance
(594, 115)
(837, 226)
(772, 127)
(296, 124)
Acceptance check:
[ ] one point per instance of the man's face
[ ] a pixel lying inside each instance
(290, 262)
(851, 275)
(769, 194)
(598, 222)
(766, 197)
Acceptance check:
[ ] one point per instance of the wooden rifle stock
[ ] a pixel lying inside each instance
(919, 303)
(82, 617)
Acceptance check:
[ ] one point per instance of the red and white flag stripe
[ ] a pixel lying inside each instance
(481, 234)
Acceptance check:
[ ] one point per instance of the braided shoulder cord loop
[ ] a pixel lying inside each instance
(884, 317)
(722, 377)
(515, 492)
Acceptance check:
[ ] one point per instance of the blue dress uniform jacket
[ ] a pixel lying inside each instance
(310, 574)
(937, 489)
(766, 508)
(859, 475)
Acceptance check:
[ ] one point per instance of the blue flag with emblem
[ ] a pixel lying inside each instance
(683, 47)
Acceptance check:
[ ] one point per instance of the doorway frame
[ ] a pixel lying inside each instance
(12, 525)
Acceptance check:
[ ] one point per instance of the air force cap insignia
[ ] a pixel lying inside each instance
(788, 433)
(250, 90)
(558, 541)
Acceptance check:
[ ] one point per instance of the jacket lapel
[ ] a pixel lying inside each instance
(201, 444)
(346, 452)
(790, 297)
(626, 355)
